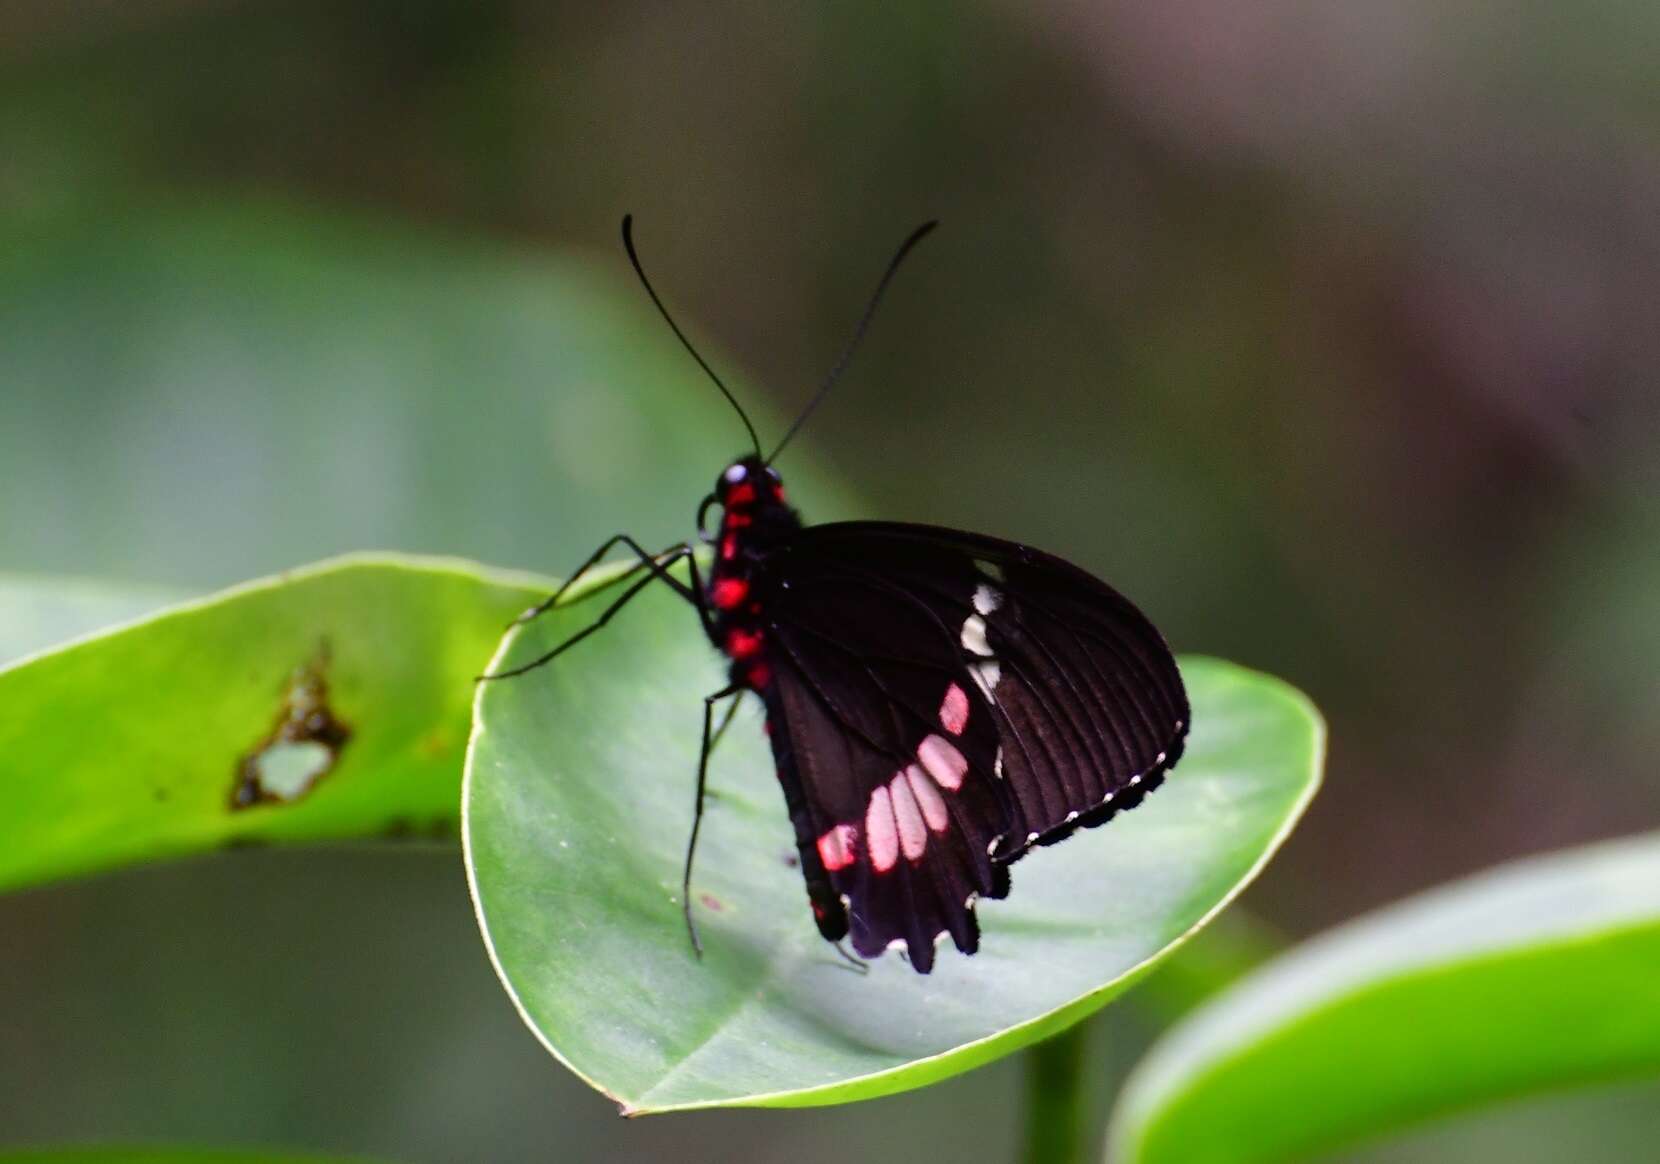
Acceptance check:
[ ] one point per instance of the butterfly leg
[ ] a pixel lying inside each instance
(720, 733)
(711, 737)
(659, 573)
(650, 561)
(854, 963)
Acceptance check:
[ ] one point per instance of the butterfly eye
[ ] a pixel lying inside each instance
(735, 474)
(773, 474)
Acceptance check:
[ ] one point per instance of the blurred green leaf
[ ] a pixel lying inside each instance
(249, 385)
(36, 613)
(153, 1154)
(1539, 974)
(1226, 950)
(131, 745)
(577, 806)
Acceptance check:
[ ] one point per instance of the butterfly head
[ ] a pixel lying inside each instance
(747, 489)
(747, 482)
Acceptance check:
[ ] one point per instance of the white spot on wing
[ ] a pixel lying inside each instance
(986, 599)
(986, 676)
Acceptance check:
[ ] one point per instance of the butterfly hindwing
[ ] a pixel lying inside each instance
(892, 750)
(942, 701)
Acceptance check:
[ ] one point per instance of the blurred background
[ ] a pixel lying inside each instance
(1327, 331)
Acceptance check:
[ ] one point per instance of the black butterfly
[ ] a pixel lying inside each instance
(938, 702)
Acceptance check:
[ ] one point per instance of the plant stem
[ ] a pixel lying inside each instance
(1055, 1113)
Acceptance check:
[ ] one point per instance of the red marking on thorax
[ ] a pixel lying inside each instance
(740, 495)
(729, 547)
(728, 593)
(741, 644)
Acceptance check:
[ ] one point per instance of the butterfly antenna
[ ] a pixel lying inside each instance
(916, 236)
(628, 245)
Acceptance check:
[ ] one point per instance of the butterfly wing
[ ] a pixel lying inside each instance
(943, 701)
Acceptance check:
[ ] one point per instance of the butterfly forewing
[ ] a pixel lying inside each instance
(942, 701)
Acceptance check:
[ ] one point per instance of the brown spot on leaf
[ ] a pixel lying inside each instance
(406, 828)
(710, 901)
(302, 747)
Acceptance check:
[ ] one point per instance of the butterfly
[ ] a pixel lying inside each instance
(938, 702)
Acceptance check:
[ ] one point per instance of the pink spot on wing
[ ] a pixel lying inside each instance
(928, 799)
(835, 848)
(881, 833)
(944, 763)
(913, 833)
(954, 711)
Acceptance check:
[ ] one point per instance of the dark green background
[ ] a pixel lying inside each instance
(1327, 332)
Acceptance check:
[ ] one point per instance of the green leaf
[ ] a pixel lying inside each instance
(37, 613)
(1535, 975)
(153, 1154)
(208, 391)
(577, 806)
(132, 745)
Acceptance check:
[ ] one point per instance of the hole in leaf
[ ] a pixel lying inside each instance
(301, 748)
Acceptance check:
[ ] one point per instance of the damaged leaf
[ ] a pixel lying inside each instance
(302, 748)
(132, 745)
